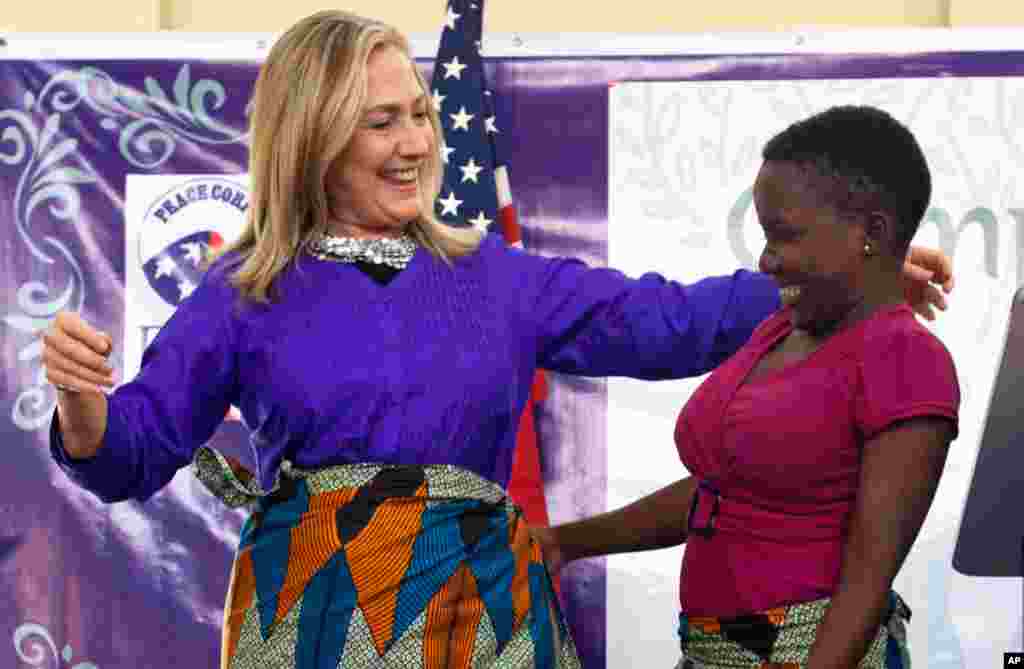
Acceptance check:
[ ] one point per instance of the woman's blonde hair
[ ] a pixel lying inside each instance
(306, 104)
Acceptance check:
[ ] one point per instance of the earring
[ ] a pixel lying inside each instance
(867, 249)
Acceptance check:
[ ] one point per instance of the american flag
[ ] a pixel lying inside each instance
(476, 192)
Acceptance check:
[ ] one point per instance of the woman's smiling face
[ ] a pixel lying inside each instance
(374, 187)
(815, 254)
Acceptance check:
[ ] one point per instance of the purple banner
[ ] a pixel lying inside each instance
(80, 582)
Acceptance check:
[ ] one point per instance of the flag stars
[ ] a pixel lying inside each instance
(451, 17)
(470, 171)
(165, 267)
(450, 205)
(459, 107)
(453, 68)
(460, 121)
(446, 151)
(193, 252)
(185, 288)
(481, 222)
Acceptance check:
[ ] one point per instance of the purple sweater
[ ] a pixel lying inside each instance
(434, 367)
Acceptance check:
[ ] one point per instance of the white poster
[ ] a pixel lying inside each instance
(174, 224)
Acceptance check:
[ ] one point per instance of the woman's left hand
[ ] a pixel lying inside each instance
(925, 269)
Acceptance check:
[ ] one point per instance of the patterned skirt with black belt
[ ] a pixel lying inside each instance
(384, 566)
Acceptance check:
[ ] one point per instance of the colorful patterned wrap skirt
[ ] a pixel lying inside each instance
(781, 638)
(384, 566)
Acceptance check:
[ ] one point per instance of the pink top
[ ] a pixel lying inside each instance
(783, 453)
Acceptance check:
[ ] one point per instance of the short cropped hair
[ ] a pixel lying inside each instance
(872, 160)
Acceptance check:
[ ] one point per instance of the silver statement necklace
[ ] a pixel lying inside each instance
(393, 252)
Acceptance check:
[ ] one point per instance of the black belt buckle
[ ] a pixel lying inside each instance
(706, 531)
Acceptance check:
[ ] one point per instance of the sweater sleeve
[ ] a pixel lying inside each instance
(155, 423)
(599, 322)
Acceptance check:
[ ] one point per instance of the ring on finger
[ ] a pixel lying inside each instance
(65, 389)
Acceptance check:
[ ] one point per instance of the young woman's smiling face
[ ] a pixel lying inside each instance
(815, 255)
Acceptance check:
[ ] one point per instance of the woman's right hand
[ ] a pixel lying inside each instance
(75, 355)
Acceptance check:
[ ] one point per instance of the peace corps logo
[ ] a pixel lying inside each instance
(184, 228)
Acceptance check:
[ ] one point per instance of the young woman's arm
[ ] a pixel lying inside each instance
(656, 521)
(900, 471)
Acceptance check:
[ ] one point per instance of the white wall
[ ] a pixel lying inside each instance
(412, 16)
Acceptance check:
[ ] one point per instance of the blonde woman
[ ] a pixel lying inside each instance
(381, 361)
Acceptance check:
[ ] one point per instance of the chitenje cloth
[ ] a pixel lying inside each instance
(372, 565)
(781, 638)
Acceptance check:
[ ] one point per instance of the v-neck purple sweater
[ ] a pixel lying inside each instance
(433, 367)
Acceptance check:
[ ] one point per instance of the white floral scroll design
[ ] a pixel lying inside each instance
(45, 178)
(149, 123)
(36, 648)
(149, 126)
